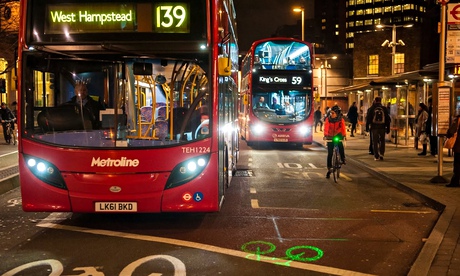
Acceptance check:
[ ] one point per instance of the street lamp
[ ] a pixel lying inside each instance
(393, 42)
(326, 66)
(302, 10)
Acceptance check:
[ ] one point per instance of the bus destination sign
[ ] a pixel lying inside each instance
(156, 17)
(281, 79)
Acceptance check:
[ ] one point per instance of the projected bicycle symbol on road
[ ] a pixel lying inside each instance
(257, 249)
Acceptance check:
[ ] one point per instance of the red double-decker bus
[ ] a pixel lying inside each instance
(157, 131)
(276, 92)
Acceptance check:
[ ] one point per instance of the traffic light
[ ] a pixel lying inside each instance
(2, 86)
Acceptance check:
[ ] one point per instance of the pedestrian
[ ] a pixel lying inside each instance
(455, 180)
(421, 127)
(318, 119)
(6, 116)
(371, 144)
(353, 117)
(412, 120)
(334, 125)
(432, 136)
(378, 122)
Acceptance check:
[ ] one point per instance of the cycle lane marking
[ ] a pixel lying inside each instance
(195, 245)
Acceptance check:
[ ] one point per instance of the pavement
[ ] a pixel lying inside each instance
(423, 177)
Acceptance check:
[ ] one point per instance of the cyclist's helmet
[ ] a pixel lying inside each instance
(337, 110)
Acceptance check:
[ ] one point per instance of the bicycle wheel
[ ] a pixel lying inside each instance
(335, 165)
(13, 136)
(8, 135)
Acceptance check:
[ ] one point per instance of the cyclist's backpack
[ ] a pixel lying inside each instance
(379, 115)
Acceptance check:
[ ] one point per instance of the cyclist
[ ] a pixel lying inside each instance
(7, 117)
(334, 125)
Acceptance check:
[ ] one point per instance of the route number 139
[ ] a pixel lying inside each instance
(172, 18)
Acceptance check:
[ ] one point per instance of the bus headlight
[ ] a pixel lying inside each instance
(258, 129)
(186, 171)
(304, 130)
(45, 171)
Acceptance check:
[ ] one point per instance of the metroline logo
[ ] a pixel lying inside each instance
(109, 162)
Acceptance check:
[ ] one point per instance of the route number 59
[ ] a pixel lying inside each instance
(297, 80)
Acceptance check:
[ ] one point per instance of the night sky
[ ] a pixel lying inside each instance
(258, 19)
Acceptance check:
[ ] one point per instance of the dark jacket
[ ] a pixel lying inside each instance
(6, 114)
(318, 116)
(93, 107)
(353, 114)
(452, 130)
(370, 116)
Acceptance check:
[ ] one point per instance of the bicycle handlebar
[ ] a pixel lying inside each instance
(328, 139)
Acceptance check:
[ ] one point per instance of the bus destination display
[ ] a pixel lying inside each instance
(279, 79)
(160, 17)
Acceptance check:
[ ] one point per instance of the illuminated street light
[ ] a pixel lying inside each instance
(326, 66)
(302, 10)
(393, 43)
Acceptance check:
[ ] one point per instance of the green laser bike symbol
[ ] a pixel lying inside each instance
(257, 249)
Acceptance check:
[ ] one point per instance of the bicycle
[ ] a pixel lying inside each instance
(9, 132)
(336, 158)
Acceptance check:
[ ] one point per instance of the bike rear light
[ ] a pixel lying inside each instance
(45, 171)
(186, 171)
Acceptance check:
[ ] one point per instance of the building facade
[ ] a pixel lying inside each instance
(9, 27)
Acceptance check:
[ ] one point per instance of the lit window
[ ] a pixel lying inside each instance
(399, 63)
(407, 7)
(373, 65)
(397, 8)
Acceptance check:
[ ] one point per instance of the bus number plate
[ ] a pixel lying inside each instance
(280, 139)
(116, 207)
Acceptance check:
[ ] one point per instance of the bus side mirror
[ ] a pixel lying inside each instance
(225, 68)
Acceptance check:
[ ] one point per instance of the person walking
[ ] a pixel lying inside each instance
(378, 122)
(353, 117)
(455, 180)
(421, 128)
(429, 132)
(318, 116)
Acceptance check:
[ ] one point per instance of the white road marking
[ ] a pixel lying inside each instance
(201, 246)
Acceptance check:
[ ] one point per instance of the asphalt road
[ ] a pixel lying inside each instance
(281, 216)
